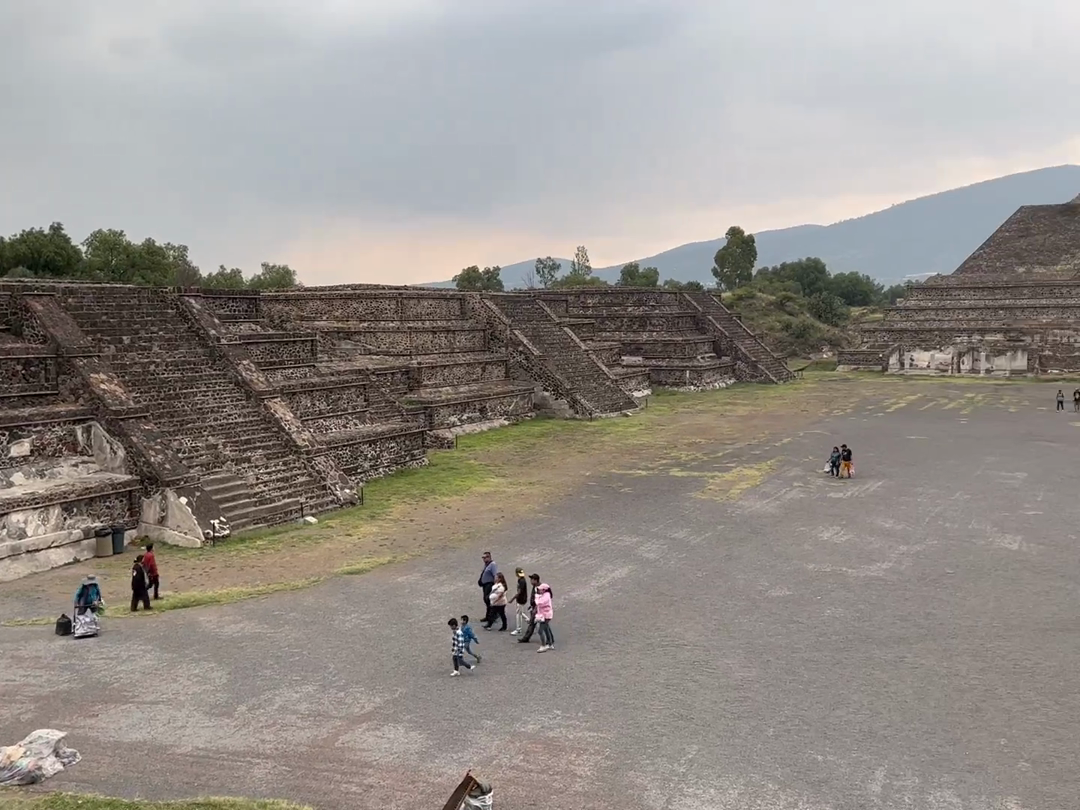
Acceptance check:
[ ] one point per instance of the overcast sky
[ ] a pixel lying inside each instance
(396, 141)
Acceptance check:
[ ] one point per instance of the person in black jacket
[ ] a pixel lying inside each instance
(521, 601)
(535, 580)
(846, 461)
(139, 591)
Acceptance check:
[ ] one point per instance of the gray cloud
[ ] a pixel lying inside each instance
(233, 125)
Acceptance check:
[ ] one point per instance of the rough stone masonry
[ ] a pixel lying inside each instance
(234, 409)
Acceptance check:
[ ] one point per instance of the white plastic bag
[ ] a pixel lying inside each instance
(36, 758)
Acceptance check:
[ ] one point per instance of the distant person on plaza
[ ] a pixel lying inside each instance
(150, 565)
(544, 614)
(846, 461)
(1076, 400)
(534, 579)
(139, 593)
(487, 582)
(498, 603)
(470, 637)
(834, 462)
(457, 648)
(521, 601)
(1060, 400)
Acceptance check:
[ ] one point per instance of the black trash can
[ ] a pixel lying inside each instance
(118, 539)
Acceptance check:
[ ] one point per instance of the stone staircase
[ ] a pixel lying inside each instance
(211, 422)
(771, 366)
(589, 387)
(430, 355)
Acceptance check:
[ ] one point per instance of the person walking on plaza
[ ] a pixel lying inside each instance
(846, 461)
(834, 462)
(150, 565)
(470, 637)
(521, 601)
(1076, 400)
(544, 614)
(1060, 400)
(457, 649)
(534, 579)
(487, 582)
(498, 603)
(138, 585)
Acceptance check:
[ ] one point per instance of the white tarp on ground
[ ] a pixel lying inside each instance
(36, 758)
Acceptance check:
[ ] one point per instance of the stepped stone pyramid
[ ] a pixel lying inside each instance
(185, 415)
(1011, 308)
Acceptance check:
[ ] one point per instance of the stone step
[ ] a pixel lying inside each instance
(256, 515)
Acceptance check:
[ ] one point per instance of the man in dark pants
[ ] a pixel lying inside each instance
(486, 581)
(534, 579)
(139, 592)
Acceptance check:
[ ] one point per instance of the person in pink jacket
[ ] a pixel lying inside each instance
(544, 614)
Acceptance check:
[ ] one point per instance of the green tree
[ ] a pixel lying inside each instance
(44, 253)
(580, 267)
(225, 279)
(828, 308)
(274, 277)
(687, 286)
(570, 281)
(184, 271)
(150, 264)
(634, 275)
(547, 270)
(733, 264)
(473, 279)
(811, 275)
(107, 255)
(894, 293)
(855, 289)
(492, 279)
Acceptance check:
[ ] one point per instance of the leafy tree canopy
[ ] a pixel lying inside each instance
(473, 279)
(733, 264)
(688, 286)
(634, 275)
(109, 255)
(855, 289)
(547, 271)
(580, 267)
(828, 308)
(571, 280)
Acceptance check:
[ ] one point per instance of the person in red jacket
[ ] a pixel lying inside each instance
(150, 566)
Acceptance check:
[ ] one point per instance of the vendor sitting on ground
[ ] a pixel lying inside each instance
(88, 597)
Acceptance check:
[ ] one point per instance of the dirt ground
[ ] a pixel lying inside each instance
(513, 471)
(735, 629)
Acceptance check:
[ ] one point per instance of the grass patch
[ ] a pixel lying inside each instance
(223, 596)
(369, 564)
(11, 800)
(188, 599)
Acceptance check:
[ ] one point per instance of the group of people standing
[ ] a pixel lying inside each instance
(1061, 400)
(534, 612)
(841, 462)
(144, 577)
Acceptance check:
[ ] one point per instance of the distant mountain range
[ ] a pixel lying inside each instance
(932, 234)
